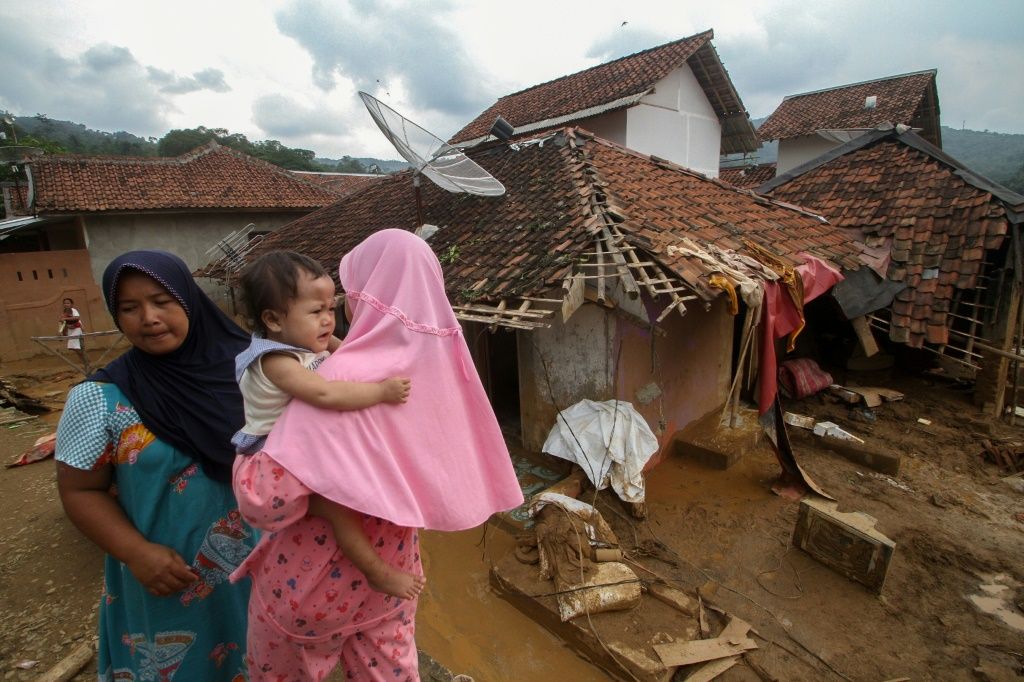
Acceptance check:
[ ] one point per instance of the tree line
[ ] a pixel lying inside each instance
(66, 137)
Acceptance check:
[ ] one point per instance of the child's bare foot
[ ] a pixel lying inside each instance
(396, 583)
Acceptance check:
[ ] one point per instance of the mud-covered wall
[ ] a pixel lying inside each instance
(32, 286)
(672, 377)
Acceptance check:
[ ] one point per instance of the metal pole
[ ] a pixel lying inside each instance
(419, 200)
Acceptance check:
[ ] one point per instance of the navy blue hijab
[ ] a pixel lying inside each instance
(188, 398)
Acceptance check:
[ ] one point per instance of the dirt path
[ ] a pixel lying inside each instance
(957, 526)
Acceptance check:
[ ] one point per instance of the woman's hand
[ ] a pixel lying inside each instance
(87, 501)
(160, 569)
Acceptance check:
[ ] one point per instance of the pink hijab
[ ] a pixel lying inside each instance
(439, 461)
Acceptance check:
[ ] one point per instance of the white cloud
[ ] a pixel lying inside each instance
(290, 71)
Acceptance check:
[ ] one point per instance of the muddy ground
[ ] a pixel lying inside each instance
(958, 528)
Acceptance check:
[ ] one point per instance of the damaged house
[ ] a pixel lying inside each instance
(610, 268)
(943, 244)
(601, 272)
(812, 123)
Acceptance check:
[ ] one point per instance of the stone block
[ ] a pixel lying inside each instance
(709, 455)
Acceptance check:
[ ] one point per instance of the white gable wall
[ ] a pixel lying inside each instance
(676, 122)
(799, 150)
(610, 125)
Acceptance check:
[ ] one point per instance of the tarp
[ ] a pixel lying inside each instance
(863, 292)
(609, 440)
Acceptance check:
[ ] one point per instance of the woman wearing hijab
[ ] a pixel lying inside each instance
(143, 463)
(438, 462)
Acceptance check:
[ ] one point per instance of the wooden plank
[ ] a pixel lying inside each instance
(698, 651)
(710, 671)
(864, 335)
(736, 628)
(69, 666)
(675, 598)
(573, 288)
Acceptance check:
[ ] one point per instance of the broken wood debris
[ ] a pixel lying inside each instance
(698, 651)
(12, 415)
(11, 397)
(736, 628)
(70, 665)
(674, 597)
(1008, 456)
(872, 396)
(847, 542)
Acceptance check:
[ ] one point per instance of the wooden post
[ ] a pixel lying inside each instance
(864, 335)
(1012, 323)
(69, 666)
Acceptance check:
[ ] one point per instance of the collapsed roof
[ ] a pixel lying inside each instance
(934, 219)
(576, 206)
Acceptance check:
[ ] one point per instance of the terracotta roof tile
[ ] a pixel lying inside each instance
(341, 184)
(748, 177)
(903, 99)
(210, 177)
(528, 241)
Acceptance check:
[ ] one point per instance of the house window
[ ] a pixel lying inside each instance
(49, 272)
(20, 278)
(65, 271)
(35, 275)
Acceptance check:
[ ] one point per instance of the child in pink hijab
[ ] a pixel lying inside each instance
(436, 462)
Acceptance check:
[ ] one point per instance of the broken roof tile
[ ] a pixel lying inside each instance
(922, 190)
(527, 241)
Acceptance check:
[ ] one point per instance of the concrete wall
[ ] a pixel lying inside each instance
(672, 379)
(799, 150)
(32, 286)
(188, 235)
(676, 122)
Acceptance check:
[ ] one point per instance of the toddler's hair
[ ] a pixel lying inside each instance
(270, 281)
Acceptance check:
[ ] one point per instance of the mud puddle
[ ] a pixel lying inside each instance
(468, 628)
(996, 599)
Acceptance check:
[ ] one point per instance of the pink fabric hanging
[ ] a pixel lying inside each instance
(780, 316)
(439, 461)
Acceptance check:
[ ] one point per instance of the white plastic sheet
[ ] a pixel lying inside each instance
(616, 444)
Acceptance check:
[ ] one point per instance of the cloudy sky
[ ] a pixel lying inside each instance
(290, 70)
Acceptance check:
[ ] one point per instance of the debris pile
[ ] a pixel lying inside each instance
(1007, 455)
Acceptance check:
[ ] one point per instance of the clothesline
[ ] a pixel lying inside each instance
(85, 367)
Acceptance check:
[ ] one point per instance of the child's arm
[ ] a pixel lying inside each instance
(288, 374)
(333, 344)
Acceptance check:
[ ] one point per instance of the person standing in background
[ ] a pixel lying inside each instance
(71, 327)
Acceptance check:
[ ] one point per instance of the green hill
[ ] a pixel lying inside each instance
(997, 156)
(75, 138)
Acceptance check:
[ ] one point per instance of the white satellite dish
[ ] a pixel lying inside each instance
(446, 166)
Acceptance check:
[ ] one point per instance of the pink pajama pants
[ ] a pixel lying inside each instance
(379, 652)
